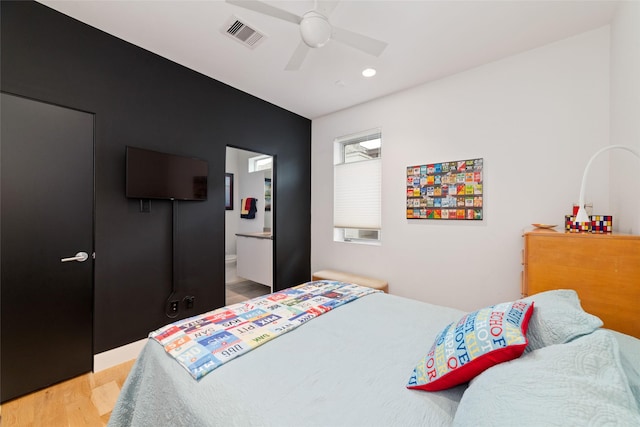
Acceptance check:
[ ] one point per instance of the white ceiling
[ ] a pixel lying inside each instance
(426, 41)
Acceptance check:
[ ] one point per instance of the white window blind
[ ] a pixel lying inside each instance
(357, 194)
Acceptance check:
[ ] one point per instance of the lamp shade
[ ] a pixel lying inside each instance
(582, 216)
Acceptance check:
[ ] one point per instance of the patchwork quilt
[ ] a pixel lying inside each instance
(205, 342)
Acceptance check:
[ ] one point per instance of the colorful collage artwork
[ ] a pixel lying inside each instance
(447, 190)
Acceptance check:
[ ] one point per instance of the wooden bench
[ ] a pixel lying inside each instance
(351, 278)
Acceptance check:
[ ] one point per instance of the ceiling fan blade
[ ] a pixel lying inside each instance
(260, 7)
(298, 57)
(358, 41)
(325, 7)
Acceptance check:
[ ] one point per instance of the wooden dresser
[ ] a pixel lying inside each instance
(603, 268)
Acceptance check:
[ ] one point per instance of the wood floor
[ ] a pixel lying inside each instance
(242, 291)
(87, 400)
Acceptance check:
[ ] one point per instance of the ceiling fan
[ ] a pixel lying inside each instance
(315, 29)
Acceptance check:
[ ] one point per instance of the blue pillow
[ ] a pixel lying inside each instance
(558, 318)
(580, 383)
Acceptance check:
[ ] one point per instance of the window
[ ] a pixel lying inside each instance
(357, 188)
(260, 163)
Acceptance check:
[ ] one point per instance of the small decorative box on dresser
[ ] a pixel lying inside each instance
(588, 263)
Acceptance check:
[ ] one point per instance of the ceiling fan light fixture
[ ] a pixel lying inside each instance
(315, 29)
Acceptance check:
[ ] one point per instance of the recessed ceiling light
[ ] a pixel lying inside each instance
(369, 72)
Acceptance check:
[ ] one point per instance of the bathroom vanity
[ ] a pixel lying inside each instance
(255, 257)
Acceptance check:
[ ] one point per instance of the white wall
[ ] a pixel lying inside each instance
(245, 185)
(268, 215)
(250, 185)
(232, 217)
(535, 118)
(625, 117)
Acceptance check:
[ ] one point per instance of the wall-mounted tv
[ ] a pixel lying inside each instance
(156, 175)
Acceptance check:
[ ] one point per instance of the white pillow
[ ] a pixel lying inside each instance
(580, 383)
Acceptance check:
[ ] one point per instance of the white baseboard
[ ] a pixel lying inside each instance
(116, 356)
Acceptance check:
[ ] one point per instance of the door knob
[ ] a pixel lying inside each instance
(80, 257)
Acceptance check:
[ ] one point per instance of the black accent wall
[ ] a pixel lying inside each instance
(144, 100)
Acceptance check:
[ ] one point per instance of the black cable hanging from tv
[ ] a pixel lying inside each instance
(174, 260)
(174, 243)
(156, 175)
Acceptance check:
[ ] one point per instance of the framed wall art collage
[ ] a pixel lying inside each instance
(446, 190)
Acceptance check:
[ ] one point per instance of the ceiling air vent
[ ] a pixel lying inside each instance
(243, 33)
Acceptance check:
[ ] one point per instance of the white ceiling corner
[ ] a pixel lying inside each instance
(426, 40)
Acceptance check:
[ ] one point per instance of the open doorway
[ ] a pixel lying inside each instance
(248, 224)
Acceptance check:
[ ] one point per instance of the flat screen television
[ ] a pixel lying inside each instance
(156, 175)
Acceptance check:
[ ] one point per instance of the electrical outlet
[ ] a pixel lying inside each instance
(174, 306)
(190, 301)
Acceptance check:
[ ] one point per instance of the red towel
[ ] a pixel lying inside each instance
(249, 208)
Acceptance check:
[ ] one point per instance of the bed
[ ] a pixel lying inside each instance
(356, 364)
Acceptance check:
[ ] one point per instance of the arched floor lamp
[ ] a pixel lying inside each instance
(581, 216)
